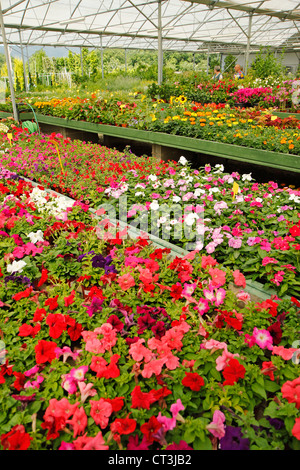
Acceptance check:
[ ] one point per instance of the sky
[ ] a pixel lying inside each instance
(15, 51)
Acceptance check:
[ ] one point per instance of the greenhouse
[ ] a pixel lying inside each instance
(149, 227)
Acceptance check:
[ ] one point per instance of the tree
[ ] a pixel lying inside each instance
(266, 64)
(18, 74)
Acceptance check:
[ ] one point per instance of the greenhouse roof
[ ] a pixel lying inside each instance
(182, 25)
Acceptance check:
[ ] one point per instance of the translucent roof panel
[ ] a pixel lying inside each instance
(187, 25)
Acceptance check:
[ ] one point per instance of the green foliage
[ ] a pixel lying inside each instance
(230, 61)
(266, 64)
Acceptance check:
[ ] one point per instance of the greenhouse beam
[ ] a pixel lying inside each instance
(10, 78)
(159, 40)
(248, 42)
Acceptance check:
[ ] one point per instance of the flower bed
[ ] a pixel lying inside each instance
(218, 123)
(257, 228)
(110, 344)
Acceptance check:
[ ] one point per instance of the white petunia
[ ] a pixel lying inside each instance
(247, 177)
(16, 267)
(189, 219)
(154, 206)
(182, 160)
(36, 236)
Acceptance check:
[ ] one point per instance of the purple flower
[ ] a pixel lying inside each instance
(80, 257)
(18, 279)
(98, 261)
(233, 439)
(277, 423)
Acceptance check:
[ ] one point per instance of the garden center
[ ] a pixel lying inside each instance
(150, 225)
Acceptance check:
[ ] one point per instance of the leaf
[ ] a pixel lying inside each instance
(259, 390)
(271, 386)
(200, 444)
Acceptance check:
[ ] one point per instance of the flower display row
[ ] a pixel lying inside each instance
(257, 227)
(254, 127)
(109, 343)
(265, 94)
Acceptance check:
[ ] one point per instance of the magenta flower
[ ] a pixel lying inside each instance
(217, 427)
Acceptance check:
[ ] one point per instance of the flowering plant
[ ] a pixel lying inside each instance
(141, 351)
(176, 203)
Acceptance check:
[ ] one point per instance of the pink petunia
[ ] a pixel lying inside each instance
(217, 427)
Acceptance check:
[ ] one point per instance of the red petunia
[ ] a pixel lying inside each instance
(176, 291)
(52, 302)
(193, 380)
(28, 330)
(44, 277)
(16, 439)
(123, 426)
(23, 294)
(115, 322)
(57, 324)
(69, 299)
(20, 380)
(296, 429)
(291, 391)
(150, 428)
(45, 351)
(141, 399)
(233, 371)
(75, 331)
(39, 314)
(116, 403)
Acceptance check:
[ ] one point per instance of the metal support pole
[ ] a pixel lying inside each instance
(207, 63)
(23, 60)
(10, 78)
(101, 56)
(248, 42)
(125, 60)
(159, 41)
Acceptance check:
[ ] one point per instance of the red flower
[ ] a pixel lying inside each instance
(57, 324)
(16, 439)
(52, 302)
(39, 314)
(268, 369)
(116, 403)
(115, 322)
(103, 369)
(123, 426)
(28, 330)
(295, 301)
(295, 231)
(176, 291)
(70, 299)
(44, 277)
(296, 429)
(141, 399)
(233, 371)
(291, 391)
(150, 428)
(23, 294)
(45, 351)
(20, 380)
(74, 331)
(193, 380)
